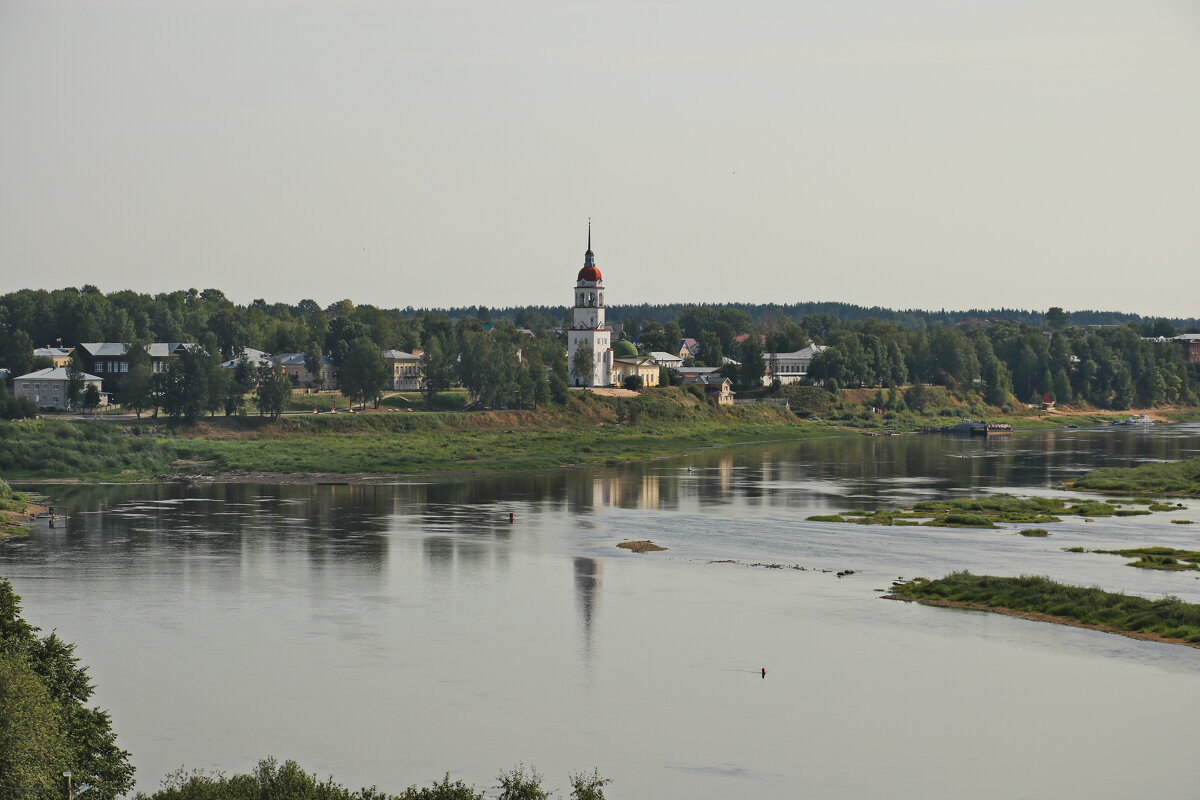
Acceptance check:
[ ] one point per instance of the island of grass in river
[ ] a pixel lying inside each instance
(1172, 477)
(1033, 597)
(985, 512)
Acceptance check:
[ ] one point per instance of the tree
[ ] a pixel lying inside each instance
(91, 397)
(75, 381)
(363, 373)
(1057, 319)
(583, 364)
(754, 366)
(437, 365)
(243, 381)
(633, 383)
(91, 749)
(33, 747)
(314, 360)
(521, 783)
(193, 383)
(137, 385)
(709, 352)
(273, 392)
(588, 787)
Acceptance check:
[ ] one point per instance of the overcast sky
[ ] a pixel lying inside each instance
(924, 153)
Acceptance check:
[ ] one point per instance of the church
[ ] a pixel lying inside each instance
(611, 361)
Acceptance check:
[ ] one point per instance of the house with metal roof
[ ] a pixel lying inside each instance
(59, 356)
(49, 388)
(791, 367)
(405, 371)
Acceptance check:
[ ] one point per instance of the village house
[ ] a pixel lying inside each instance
(715, 386)
(110, 360)
(59, 356)
(1191, 346)
(687, 348)
(293, 364)
(668, 360)
(404, 370)
(793, 367)
(48, 388)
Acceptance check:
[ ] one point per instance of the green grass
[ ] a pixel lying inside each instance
(66, 448)
(590, 430)
(1034, 532)
(1169, 617)
(982, 512)
(1173, 477)
(1158, 557)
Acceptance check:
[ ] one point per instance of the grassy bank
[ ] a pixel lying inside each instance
(1033, 597)
(589, 430)
(13, 508)
(883, 409)
(985, 512)
(1171, 478)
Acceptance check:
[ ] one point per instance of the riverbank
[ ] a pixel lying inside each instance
(343, 448)
(17, 510)
(1040, 599)
(385, 446)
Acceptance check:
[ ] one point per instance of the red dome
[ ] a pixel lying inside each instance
(589, 274)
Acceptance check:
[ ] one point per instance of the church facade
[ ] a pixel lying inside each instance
(589, 331)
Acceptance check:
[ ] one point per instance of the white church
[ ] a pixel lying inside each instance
(612, 361)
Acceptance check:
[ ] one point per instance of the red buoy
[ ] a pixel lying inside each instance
(512, 517)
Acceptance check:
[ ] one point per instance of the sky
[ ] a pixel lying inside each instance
(919, 154)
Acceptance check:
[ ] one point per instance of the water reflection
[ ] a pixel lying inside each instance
(417, 610)
(587, 599)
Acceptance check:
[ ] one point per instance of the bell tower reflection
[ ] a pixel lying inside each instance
(587, 598)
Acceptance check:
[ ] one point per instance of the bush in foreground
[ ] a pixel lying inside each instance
(271, 780)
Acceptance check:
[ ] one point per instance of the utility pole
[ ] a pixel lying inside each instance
(70, 794)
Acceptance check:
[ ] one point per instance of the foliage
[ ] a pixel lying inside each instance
(586, 786)
(13, 407)
(982, 512)
(89, 748)
(521, 783)
(361, 371)
(273, 392)
(1169, 617)
(33, 746)
(65, 448)
(583, 363)
(1173, 477)
(137, 385)
(633, 383)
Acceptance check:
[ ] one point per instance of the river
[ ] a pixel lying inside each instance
(387, 634)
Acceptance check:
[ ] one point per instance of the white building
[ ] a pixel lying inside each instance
(588, 326)
(405, 372)
(791, 367)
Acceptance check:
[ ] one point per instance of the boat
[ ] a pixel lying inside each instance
(1140, 419)
(975, 427)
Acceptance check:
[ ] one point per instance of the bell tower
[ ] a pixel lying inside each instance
(588, 325)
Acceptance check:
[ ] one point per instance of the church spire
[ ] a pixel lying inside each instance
(589, 258)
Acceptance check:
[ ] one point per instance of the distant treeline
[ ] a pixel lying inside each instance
(1102, 358)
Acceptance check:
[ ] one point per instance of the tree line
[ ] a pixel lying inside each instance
(1025, 355)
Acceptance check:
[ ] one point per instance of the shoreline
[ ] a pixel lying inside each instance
(1038, 616)
(268, 477)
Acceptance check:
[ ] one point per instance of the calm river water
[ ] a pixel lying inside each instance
(388, 634)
